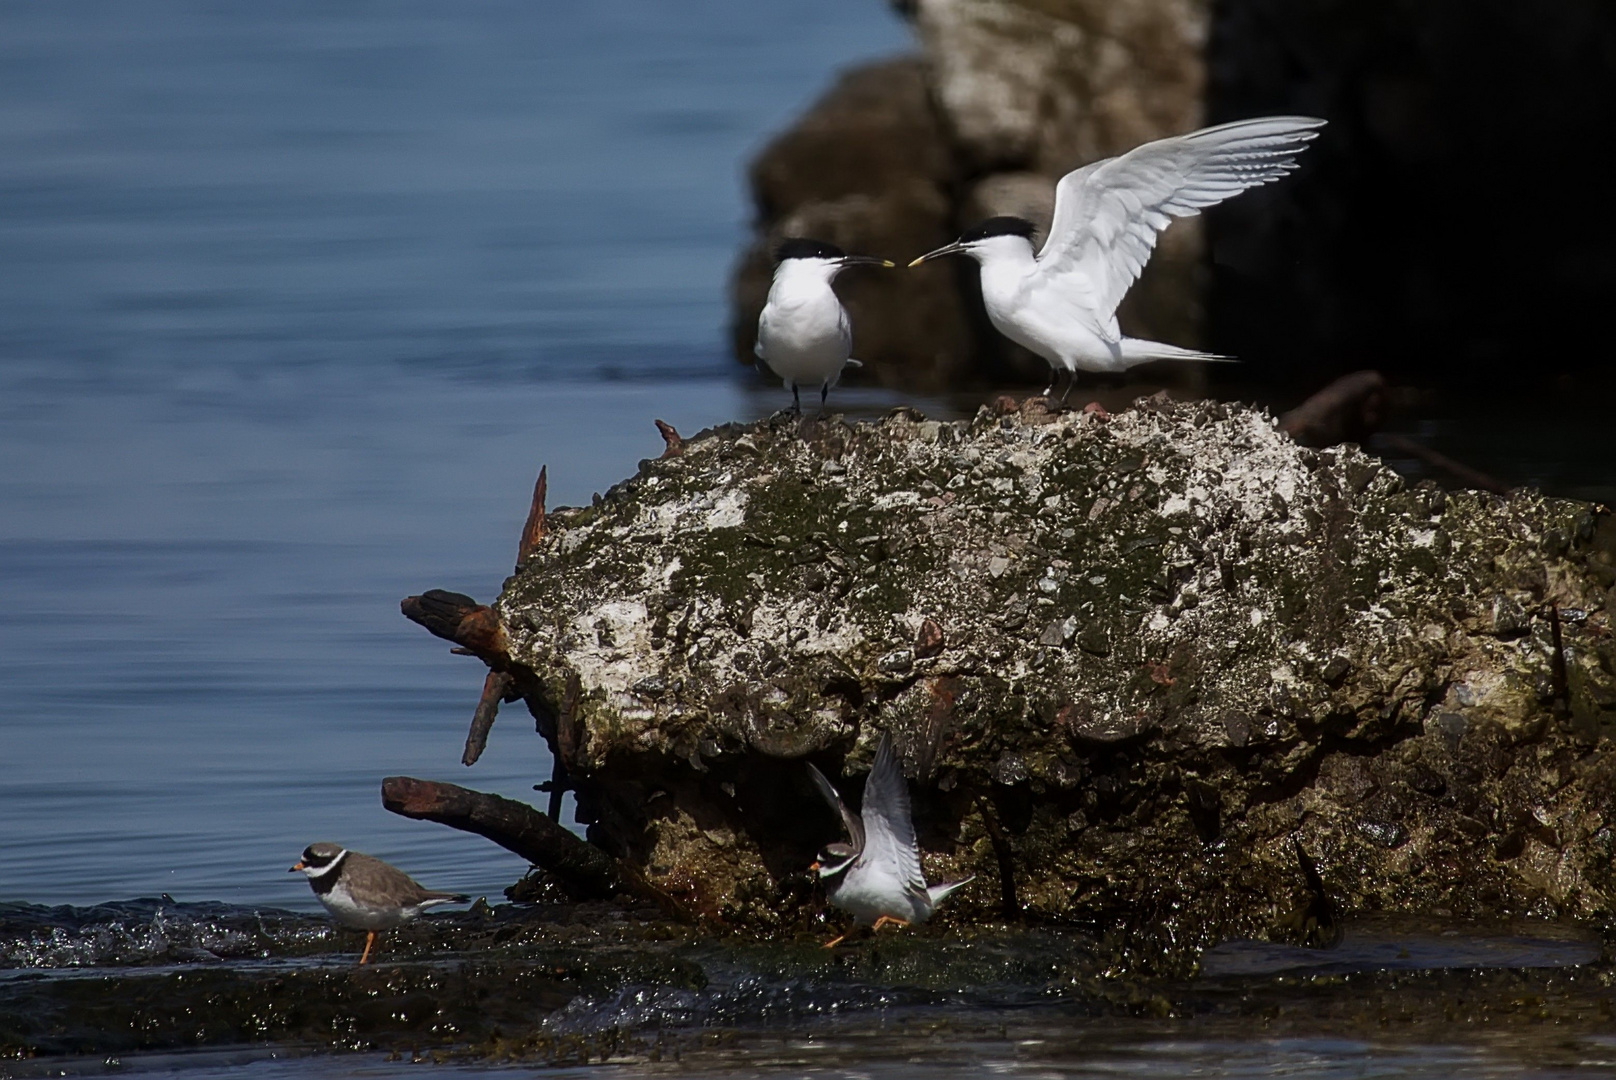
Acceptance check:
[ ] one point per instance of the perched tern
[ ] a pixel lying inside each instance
(1062, 302)
(878, 877)
(804, 334)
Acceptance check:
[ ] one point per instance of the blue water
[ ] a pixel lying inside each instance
(294, 301)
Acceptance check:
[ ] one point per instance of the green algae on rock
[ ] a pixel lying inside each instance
(1131, 663)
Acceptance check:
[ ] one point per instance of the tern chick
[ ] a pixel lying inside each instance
(804, 334)
(878, 877)
(1062, 302)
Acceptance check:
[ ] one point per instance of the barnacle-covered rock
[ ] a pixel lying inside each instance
(1134, 666)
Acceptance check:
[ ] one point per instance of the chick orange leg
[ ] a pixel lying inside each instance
(370, 940)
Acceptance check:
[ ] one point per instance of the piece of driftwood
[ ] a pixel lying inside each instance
(583, 869)
(458, 618)
(1469, 477)
(1350, 409)
(497, 688)
(556, 787)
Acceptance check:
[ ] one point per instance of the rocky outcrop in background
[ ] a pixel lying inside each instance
(1168, 672)
(1436, 231)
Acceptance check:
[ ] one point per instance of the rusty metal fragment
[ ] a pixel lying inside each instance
(675, 444)
(535, 529)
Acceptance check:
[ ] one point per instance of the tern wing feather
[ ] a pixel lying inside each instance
(850, 820)
(888, 827)
(1108, 214)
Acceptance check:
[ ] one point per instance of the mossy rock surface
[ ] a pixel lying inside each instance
(1133, 664)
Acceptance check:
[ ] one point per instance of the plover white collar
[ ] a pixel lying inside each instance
(365, 893)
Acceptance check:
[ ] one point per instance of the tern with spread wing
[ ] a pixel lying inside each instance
(1062, 302)
(878, 877)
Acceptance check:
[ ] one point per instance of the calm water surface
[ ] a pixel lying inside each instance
(294, 301)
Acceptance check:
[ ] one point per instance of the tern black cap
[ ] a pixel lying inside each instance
(1000, 226)
(799, 248)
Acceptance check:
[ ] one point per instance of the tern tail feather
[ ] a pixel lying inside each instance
(939, 893)
(1139, 351)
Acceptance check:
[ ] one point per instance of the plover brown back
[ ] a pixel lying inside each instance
(365, 893)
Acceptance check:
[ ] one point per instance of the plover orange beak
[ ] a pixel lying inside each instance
(815, 866)
(295, 869)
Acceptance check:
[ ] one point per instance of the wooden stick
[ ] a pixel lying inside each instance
(1350, 409)
(1009, 905)
(1467, 476)
(495, 689)
(458, 618)
(557, 788)
(583, 869)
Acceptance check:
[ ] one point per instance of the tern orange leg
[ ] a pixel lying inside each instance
(883, 920)
(370, 940)
(835, 941)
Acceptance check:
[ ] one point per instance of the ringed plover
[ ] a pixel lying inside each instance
(365, 893)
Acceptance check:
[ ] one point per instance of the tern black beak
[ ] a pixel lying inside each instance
(866, 260)
(947, 249)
